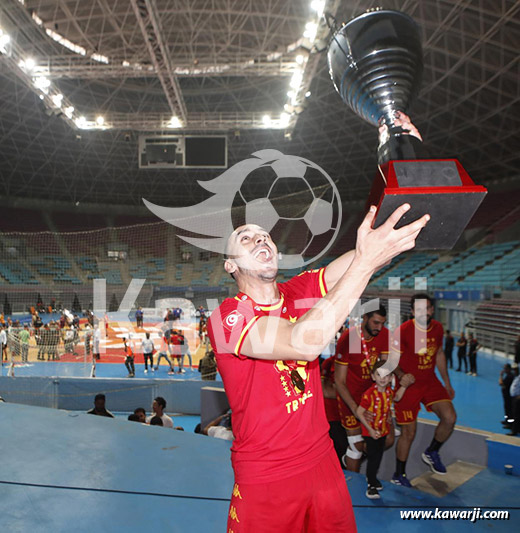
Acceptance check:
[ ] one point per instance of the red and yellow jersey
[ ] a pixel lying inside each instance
(349, 352)
(331, 404)
(378, 403)
(418, 347)
(278, 413)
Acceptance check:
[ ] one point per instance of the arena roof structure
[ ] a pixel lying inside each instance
(80, 80)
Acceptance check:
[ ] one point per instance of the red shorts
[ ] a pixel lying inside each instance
(425, 392)
(313, 501)
(346, 416)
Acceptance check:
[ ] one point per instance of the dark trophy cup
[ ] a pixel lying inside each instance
(375, 62)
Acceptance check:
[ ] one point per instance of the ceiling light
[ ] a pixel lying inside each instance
(300, 59)
(4, 41)
(42, 83)
(29, 63)
(296, 80)
(81, 122)
(68, 111)
(307, 94)
(266, 119)
(311, 28)
(174, 123)
(100, 120)
(318, 6)
(284, 119)
(57, 99)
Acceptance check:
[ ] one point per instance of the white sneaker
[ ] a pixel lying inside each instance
(145, 371)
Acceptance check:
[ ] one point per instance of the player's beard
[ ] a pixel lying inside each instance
(371, 332)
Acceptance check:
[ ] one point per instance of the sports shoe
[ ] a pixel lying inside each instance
(401, 480)
(146, 371)
(372, 493)
(378, 485)
(433, 460)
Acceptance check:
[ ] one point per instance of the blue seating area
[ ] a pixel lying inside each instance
(56, 267)
(17, 275)
(404, 269)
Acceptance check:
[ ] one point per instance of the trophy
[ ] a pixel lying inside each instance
(375, 62)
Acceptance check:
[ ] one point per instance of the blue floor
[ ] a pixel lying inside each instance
(63, 471)
(478, 400)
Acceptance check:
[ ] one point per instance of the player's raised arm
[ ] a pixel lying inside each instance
(306, 338)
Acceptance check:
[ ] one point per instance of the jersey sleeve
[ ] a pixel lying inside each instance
(310, 285)
(229, 326)
(342, 353)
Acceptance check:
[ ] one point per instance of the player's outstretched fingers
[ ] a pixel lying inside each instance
(413, 228)
(394, 218)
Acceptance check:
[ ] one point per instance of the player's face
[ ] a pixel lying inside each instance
(374, 324)
(382, 377)
(423, 311)
(254, 253)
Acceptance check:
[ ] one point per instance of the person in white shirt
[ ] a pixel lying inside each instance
(148, 349)
(3, 344)
(158, 407)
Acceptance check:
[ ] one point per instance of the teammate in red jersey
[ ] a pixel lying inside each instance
(267, 341)
(417, 343)
(356, 352)
(336, 431)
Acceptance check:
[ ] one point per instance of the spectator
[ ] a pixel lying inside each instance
(514, 391)
(448, 348)
(517, 350)
(165, 350)
(156, 421)
(99, 407)
(158, 407)
(134, 418)
(220, 428)
(462, 344)
(208, 366)
(24, 342)
(3, 343)
(473, 345)
(148, 349)
(141, 414)
(96, 342)
(505, 380)
(139, 317)
(129, 359)
(176, 340)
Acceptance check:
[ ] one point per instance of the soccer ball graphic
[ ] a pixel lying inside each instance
(296, 201)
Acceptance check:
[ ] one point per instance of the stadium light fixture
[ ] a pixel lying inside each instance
(174, 123)
(81, 123)
(28, 64)
(4, 41)
(284, 120)
(100, 120)
(266, 119)
(57, 99)
(318, 6)
(68, 111)
(311, 28)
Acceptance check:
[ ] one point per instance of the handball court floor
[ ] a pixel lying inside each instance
(67, 471)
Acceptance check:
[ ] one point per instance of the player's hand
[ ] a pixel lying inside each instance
(375, 247)
(369, 415)
(407, 380)
(451, 391)
(402, 120)
(375, 434)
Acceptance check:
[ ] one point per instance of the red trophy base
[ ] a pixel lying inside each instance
(439, 187)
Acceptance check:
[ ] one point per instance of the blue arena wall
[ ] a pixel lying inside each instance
(77, 394)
